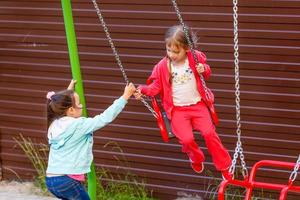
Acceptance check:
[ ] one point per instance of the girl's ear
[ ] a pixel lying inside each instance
(187, 48)
(70, 112)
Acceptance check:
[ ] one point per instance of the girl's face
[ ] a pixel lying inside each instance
(75, 111)
(176, 53)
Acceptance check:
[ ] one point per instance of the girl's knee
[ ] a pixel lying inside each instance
(188, 144)
(210, 133)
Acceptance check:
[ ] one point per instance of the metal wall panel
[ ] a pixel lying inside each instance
(34, 60)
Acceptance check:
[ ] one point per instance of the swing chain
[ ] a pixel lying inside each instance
(117, 57)
(149, 107)
(238, 149)
(294, 174)
(110, 41)
(190, 43)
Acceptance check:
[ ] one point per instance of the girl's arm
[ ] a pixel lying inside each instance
(154, 87)
(150, 90)
(72, 85)
(89, 125)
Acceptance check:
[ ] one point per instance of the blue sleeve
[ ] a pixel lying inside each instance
(89, 125)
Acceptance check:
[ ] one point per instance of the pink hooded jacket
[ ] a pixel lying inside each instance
(160, 80)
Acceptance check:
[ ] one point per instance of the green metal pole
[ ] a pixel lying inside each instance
(76, 74)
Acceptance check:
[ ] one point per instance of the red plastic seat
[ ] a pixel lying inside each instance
(249, 183)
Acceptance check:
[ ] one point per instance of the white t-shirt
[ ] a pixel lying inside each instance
(184, 86)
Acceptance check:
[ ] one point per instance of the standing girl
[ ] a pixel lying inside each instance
(176, 78)
(71, 140)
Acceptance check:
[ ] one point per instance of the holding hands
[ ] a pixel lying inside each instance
(138, 94)
(129, 91)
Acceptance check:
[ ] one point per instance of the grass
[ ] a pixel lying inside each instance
(120, 186)
(110, 186)
(232, 192)
(124, 185)
(36, 153)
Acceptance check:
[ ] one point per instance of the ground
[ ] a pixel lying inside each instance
(27, 191)
(21, 191)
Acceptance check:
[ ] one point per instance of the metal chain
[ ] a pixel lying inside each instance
(117, 57)
(190, 43)
(149, 107)
(110, 41)
(238, 149)
(294, 174)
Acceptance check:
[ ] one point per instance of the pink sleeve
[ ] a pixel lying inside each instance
(155, 86)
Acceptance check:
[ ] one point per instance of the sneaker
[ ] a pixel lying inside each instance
(197, 167)
(226, 175)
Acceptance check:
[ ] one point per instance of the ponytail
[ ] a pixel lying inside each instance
(58, 104)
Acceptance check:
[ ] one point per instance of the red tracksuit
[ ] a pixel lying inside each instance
(185, 119)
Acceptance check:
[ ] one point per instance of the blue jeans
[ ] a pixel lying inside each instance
(66, 188)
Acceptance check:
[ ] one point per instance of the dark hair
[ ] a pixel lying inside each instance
(175, 36)
(58, 104)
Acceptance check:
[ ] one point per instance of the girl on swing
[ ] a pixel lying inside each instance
(176, 78)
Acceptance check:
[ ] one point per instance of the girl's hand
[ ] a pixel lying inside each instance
(138, 94)
(72, 84)
(128, 91)
(200, 68)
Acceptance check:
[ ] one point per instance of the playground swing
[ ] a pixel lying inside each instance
(248, 181)
(163, 125)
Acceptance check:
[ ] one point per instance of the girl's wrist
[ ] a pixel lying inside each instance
(126, 96)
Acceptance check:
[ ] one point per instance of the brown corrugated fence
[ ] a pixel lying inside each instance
(34, 60)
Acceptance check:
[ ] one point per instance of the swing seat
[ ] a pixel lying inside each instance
(160, 121)
(249, 183)
(163, 122)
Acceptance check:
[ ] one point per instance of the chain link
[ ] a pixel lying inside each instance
(294, 174)
(190, 43)
(117, 57)
(238, 149)
(149, 107)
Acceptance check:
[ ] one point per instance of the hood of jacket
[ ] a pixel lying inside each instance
(60, 131)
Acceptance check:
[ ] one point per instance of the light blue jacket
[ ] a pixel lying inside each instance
(71, 140)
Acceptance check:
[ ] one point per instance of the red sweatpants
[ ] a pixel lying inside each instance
(184, 120)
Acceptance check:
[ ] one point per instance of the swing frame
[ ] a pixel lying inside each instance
(249, 183)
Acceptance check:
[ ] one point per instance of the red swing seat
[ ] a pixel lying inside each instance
(161, 123)
(249, 183)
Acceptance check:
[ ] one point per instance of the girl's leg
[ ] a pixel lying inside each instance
(64, 187)
(202, 122)
(182, 129)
